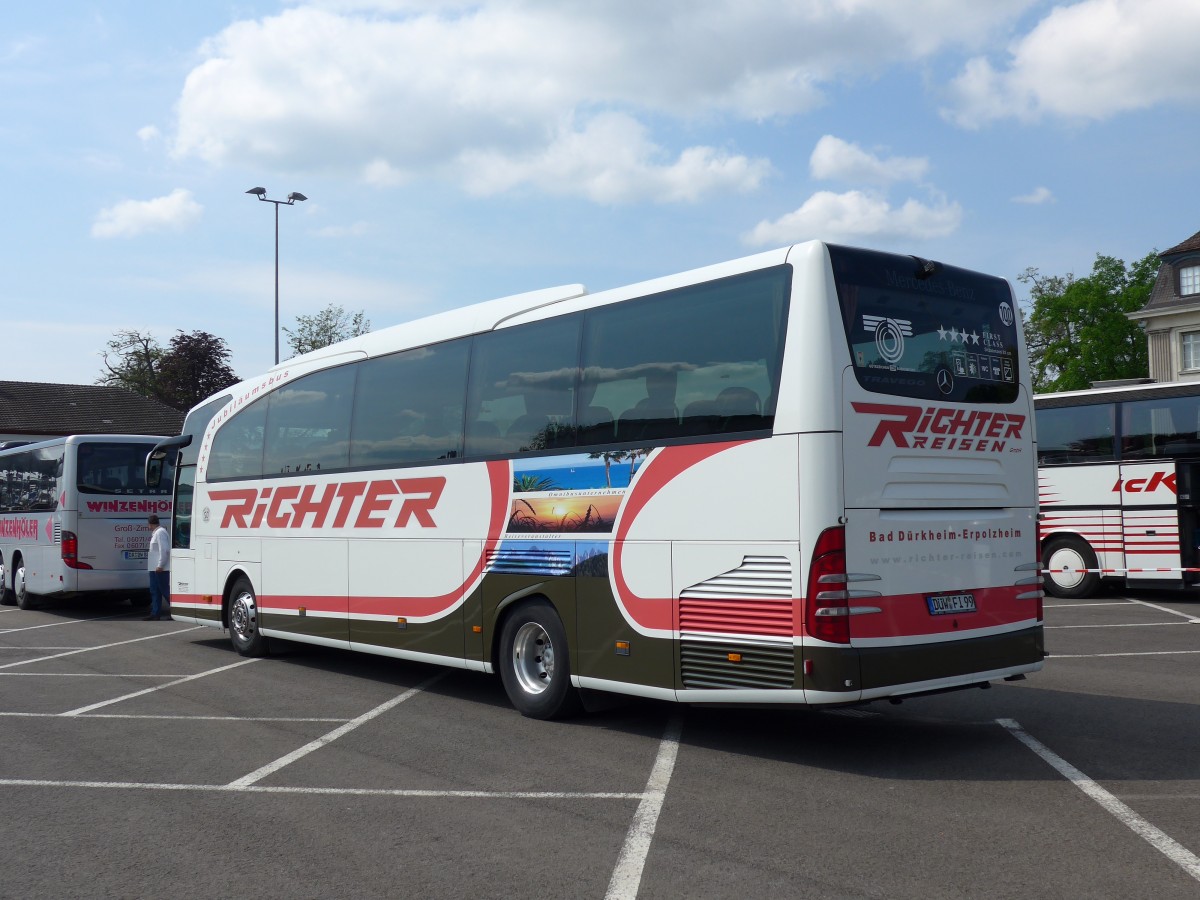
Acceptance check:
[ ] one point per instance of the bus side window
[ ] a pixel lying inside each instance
(408, 406)
(522, 386)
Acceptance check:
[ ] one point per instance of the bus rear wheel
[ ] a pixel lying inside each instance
(244, 620)
(1063, 560)
(535, 664)
(6, 596)
(24, 599)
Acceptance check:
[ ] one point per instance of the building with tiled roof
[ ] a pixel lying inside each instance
(1171, 317)
(31, 411)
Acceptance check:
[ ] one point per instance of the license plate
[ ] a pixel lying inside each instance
(946, 604)
(134, 554)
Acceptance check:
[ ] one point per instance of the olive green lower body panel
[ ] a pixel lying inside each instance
(884, 667)
(324, 629)
(210, 615)
(440, 637)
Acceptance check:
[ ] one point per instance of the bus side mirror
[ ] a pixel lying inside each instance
(158, 453)
(154, 468)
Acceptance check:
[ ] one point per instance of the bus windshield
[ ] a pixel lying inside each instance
(945, 334)
(108, 468)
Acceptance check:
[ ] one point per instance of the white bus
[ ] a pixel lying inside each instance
(803, 477)
(1119, 480)
(73, 518)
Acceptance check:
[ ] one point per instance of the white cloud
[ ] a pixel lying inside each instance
(147, 134)
(1036, 197)
(477, 92)
(128, 218)
(612, 160)
(1088, 60)
(833, 158)
(860, 213)
(855, 215)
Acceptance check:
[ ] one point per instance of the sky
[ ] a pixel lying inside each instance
(453, 152)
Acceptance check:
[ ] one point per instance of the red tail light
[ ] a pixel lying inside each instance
(826, 613)
(70, 551)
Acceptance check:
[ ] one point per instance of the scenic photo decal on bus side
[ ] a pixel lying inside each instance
(920, 329)
(557, 503)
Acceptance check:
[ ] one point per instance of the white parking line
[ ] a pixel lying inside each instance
(44, 715)
(337, 792)
(1138, 653)
(1077, 605)
(77, 675)
(41, 649)
(149, 637)
(65, 622)
(1161, 841)
(186, 678)
(1121, 625)
(258, 774)
(627, 876)
(1191, 619)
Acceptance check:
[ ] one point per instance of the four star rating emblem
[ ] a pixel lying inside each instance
(953, 335)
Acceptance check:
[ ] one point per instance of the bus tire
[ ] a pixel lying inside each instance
(6, 596)
(24, 599)
(1069, 553)
(535, 664)
(243, 620)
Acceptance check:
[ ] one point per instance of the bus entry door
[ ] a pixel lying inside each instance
(1151, 522)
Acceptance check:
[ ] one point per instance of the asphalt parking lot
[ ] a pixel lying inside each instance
(147, 759)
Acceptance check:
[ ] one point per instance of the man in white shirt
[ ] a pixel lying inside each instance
(158, 562)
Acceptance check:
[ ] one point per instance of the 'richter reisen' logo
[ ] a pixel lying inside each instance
(942, 428)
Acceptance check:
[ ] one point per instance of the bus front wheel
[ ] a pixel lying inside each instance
(535, 663)
(1064, 561)
(244, 620)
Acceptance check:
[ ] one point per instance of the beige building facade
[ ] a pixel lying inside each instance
(1171, 317)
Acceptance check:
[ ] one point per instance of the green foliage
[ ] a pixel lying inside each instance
(131, 361)
(330, 325)
(191, 368)
(1077, 330)
(526, 483)
(195, 366)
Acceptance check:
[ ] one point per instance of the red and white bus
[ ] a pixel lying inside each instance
(73, 518)
(803, 477)
(1119, 482)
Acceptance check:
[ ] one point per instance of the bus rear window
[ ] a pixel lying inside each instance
(946, 335)
(117, 469)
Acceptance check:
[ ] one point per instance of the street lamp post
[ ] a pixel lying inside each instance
(261, 194)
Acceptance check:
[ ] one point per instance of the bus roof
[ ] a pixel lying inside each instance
(488, 315)
(1092, 396)
(77, 438)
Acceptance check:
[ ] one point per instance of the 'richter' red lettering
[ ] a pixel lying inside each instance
(357, 504)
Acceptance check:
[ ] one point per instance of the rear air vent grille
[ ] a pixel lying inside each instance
(720, 665)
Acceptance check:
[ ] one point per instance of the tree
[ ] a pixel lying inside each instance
(195, 366)
(131, 362)
(191, 368)
(330, 325)
(1077, 330)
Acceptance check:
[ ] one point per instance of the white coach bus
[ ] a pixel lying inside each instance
(803, 477)
(73, 518)
(1119, 480)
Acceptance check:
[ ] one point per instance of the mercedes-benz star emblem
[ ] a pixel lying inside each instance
(945, 381)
